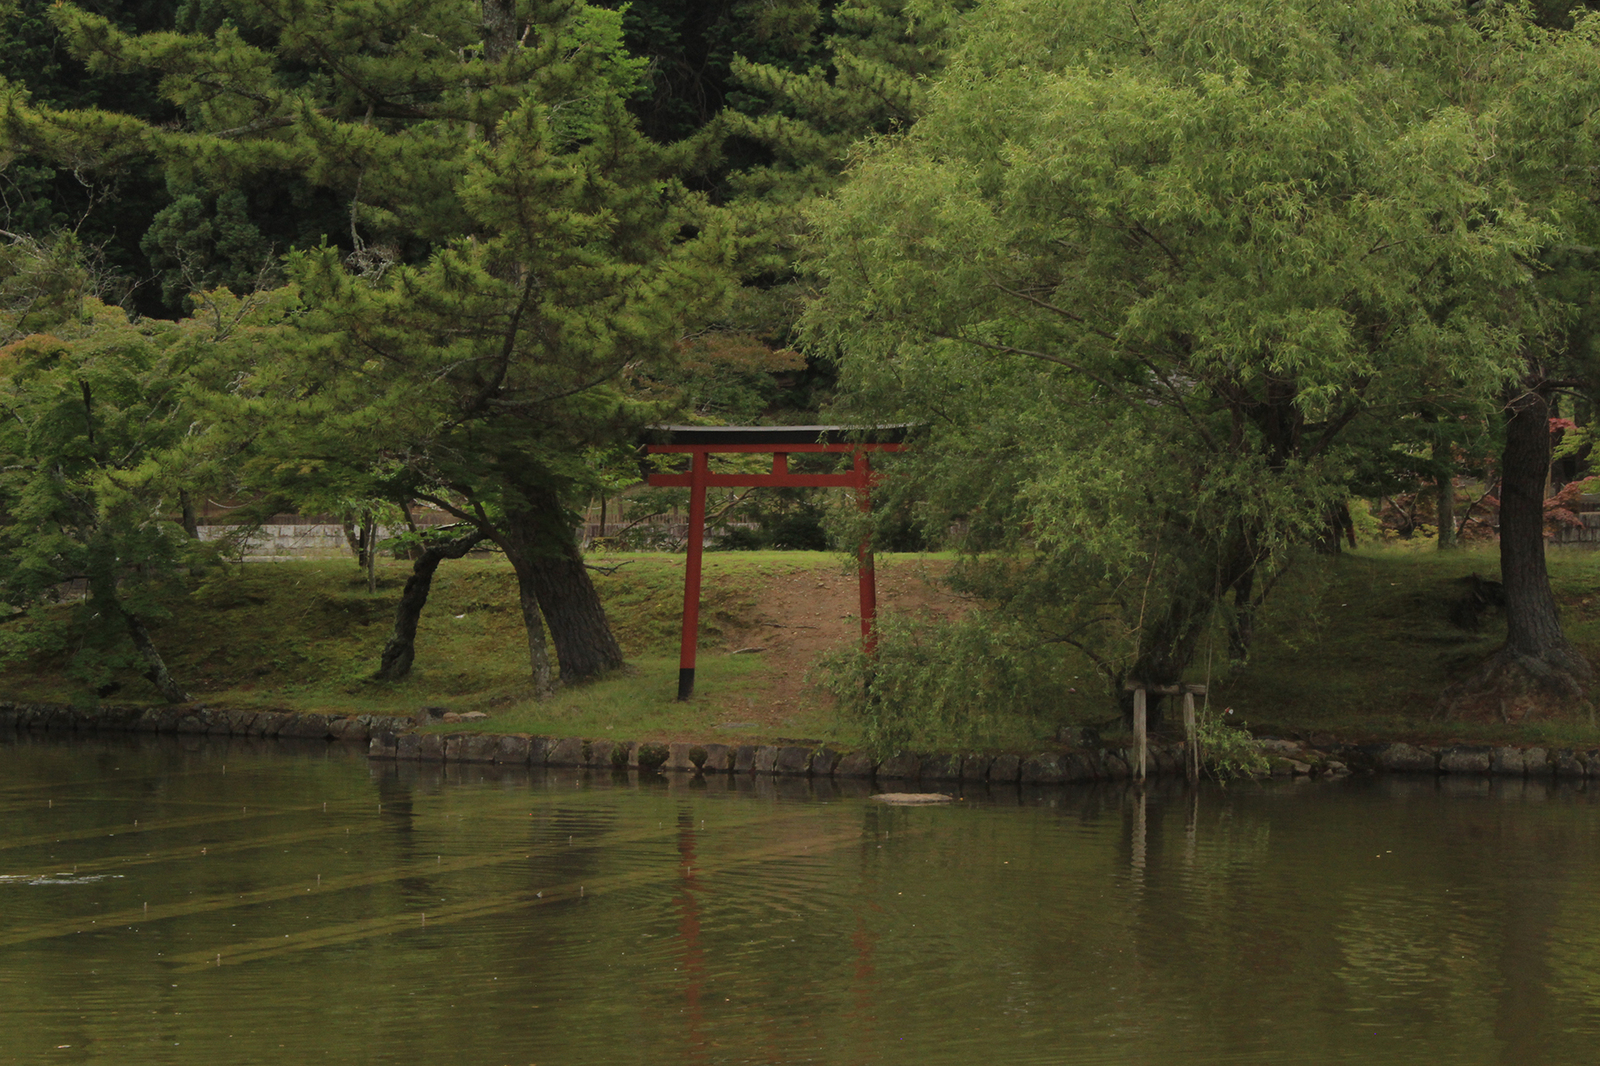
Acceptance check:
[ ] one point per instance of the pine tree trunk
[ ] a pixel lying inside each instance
(191, 524)
(585, 647)
(552, 582)
(354, 540)
(400, 651)
(499, 29)
(157, 673)
(414, 552)
(538, 658)
(372, 554)
(103, 593)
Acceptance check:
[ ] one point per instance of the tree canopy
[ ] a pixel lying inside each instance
(484, 373)
(1162, 259)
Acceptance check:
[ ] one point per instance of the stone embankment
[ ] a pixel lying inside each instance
(194, 719)
(1295, 758)
(395, 737)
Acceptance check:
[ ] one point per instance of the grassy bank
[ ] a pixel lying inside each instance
(306, 636)
(1361, 645)
(1356, 647)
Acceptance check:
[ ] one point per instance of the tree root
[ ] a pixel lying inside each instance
(1511, 688)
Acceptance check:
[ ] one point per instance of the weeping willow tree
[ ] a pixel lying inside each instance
(1141, 269)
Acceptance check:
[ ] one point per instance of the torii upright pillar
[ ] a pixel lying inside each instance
(700, 442)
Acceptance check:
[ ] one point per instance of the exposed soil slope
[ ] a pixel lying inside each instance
(800, 614)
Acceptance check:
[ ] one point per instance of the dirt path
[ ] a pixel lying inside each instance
(801, 614)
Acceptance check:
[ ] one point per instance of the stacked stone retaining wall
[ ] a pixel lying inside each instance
(395, 737)
(194, 719)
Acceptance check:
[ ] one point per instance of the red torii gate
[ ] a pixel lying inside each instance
(700, 442)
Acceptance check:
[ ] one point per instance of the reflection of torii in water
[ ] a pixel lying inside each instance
(693, 957)
(700, 442)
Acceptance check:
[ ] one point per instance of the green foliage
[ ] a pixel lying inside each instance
(94, 414)
(652, 756)
(781, 523)
(1139, 272)
(691, 46)
(952, 684)
(1227, 749)
(519, 260)
(105, 203)
(206, 242)
(879, 54)
(730, 376)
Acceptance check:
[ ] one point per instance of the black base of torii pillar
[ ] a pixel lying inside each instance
(701, 442)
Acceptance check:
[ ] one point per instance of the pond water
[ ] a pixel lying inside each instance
(215, 901)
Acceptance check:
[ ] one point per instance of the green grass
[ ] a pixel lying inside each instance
(641, 704)
(306, 636)
(1356, 646)
(1360, 646)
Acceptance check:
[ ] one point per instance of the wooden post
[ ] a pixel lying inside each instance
(1191, 737)
(1191, 827)
(1140, 833)
(700, 474)
(867, 579)
(1141, 741)
(1139, 738)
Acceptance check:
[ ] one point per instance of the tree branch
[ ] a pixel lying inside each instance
(1030, 353)
(1053, 309)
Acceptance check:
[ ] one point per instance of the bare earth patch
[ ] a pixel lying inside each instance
(801, 614)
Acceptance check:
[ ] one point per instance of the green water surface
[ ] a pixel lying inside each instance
(229, 902)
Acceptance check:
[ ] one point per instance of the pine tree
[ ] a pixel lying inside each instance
(519, 253)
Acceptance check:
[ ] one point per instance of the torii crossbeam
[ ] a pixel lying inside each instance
(701, 442)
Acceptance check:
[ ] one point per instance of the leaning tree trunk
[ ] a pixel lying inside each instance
(401, 649)
(1536, 673)
(585, 647)
(103, 593)
(353, 539)
(156, 671)
(553, 582)
(538, 658)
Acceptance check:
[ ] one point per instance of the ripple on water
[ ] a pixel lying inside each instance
(561, 918)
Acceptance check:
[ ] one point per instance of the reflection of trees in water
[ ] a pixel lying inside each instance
(397, 815)
(1452, 906)
(420, 810)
